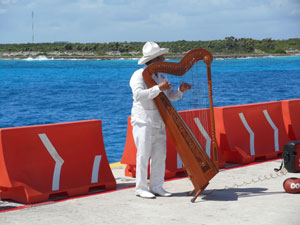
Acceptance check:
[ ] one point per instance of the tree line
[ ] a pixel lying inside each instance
(230, 45)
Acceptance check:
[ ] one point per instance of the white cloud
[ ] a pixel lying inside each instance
(132, 20)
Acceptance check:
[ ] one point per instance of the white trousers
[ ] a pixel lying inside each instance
(150, 143)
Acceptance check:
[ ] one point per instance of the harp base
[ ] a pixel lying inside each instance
(199, 191)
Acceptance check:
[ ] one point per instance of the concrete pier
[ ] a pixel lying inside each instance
(251, 194)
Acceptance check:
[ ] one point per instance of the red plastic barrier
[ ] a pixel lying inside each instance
(129, 153)
(198, 121)
(291, 109)
(194, 119)
(249, 132)
(37, 162)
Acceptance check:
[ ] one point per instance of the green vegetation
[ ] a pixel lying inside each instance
(228, 46)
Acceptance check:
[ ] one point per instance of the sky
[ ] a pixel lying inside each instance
(89, 21)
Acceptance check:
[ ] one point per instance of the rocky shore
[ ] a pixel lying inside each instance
(111, 56)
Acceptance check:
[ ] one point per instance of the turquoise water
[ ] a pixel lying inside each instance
(37, 92)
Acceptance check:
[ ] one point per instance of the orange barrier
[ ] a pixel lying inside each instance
(249, 132)
(38, 162)
(129, 153)
(194, 119)
(198, 121)
(290, 110)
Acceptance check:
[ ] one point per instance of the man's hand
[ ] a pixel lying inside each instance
(184, 87)
(164, 85)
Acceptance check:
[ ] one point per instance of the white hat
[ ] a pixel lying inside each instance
(151, 50)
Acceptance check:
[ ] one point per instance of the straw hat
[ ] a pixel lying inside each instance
(151, 50)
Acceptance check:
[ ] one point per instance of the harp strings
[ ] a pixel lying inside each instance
(195, 101)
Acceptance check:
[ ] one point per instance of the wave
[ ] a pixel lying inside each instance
(248, 57)
(128, 59)
(39, 58)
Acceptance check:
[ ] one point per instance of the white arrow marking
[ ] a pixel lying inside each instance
(276, 142)
(252, 149)
(206, 136)
(179, 162)
(96, 166)
(58, 161)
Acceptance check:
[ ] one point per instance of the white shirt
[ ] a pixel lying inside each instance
(144, 109)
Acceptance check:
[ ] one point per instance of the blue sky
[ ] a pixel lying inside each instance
(140, 20)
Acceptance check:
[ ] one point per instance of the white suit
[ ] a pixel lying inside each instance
(149, 130)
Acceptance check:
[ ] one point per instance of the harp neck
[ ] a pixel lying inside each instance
(179, 69)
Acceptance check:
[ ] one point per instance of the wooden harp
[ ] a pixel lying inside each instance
(198, 165)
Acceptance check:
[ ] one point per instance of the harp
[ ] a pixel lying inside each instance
(199, 167)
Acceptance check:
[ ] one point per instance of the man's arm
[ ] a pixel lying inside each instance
(139, 89)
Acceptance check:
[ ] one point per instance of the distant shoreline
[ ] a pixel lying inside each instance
(175, 57)
(230, 47)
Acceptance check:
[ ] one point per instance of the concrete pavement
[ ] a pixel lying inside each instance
(250, 194)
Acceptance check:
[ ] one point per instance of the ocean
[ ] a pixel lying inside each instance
(44, 91)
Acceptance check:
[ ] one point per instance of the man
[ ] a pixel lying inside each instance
(148, 128)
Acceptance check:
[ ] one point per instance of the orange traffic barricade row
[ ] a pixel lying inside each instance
(246, 133)
(37, 162)
(291, 109)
